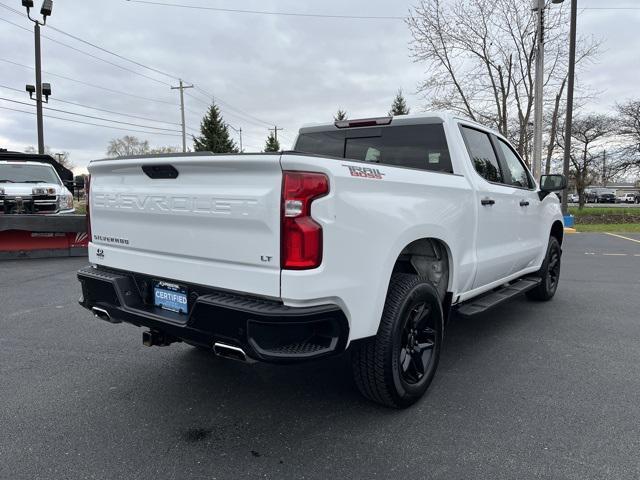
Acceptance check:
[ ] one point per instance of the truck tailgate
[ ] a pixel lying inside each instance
(217, 223)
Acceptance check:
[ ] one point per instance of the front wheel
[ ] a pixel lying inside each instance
(549, 272)
(395, 367)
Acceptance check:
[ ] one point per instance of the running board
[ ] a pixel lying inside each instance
(491, 299)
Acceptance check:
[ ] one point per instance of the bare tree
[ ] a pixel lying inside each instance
(165, 149)
(61, 157)
(480, 57)
(628, 129)
(590, 136)
(127, 146)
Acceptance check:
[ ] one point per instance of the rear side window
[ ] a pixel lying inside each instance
(482, 154)
(414, 146)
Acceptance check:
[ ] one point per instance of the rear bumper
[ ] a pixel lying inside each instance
(265, 330)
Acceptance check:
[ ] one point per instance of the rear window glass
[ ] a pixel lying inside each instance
(415, 146)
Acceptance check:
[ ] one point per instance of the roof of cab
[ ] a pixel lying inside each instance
(414, 119)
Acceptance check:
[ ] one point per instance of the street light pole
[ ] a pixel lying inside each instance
(538, 94)
(569, 118)
(45, 11)
(40, 122)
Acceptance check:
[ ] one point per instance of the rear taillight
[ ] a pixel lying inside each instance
(301, 238)
(87, 187)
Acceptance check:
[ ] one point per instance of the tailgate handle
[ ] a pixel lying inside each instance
(160, 171)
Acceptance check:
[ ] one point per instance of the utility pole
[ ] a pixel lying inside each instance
(569, 117)
(45, 11)
(181, 87)
(536, 161)
(275, 131)
(239, 130)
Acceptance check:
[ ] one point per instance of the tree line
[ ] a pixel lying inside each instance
(215, 136)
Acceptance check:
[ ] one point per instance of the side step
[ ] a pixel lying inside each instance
(491, 299)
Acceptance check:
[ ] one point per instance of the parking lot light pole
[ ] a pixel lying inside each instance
(538, 100)
(45, 11)
(569, 117)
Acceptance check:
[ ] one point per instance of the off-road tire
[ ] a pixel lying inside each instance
(377, 367)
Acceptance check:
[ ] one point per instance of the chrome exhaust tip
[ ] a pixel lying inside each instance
(101, 313)
(230, 351)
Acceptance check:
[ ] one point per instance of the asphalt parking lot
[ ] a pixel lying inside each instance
(529, 390)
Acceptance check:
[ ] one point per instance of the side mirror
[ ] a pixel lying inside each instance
(552, 183)
(70, 184)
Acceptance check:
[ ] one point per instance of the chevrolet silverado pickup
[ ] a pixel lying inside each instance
(363, 237)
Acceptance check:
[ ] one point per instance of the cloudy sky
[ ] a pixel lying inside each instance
(266, 69)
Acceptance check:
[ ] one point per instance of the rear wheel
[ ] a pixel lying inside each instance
(549, 272)
(395, 367)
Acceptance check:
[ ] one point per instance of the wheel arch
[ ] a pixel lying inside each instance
(428, 257)
(557, 231)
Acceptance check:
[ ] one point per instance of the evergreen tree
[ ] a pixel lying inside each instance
(214, 134)
(399, 105)
(340, 115)
(272, 145)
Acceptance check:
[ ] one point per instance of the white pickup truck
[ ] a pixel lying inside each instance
(365, 236)
(32, 187)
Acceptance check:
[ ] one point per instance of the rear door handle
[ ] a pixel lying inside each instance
(487, 201)
(524, 203)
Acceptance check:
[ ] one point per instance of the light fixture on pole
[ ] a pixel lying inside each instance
(539, 7)
(45, 11)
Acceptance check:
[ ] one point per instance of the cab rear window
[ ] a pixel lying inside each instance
(423, 147)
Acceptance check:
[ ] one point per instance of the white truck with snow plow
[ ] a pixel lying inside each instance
(364, 237)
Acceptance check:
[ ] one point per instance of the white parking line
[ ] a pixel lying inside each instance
(614, 254)
(623, 237)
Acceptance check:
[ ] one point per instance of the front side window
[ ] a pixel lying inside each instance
(517, 173)
(423, 147)
(482, 155)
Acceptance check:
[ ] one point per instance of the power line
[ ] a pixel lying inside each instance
(90, 116)
(93, 124)
(121, 57)
(120, 92)
(82, 105)
(229, 106)
(312, 15)
(89, 54)
(266, 12)
(230, 109)
(240, 113)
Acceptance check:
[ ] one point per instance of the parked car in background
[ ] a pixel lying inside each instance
(606, 198)
(573, 198)
(626, 198)
(590, 197)
(28, 187)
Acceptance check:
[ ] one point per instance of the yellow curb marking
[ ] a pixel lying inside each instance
(623, 237)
